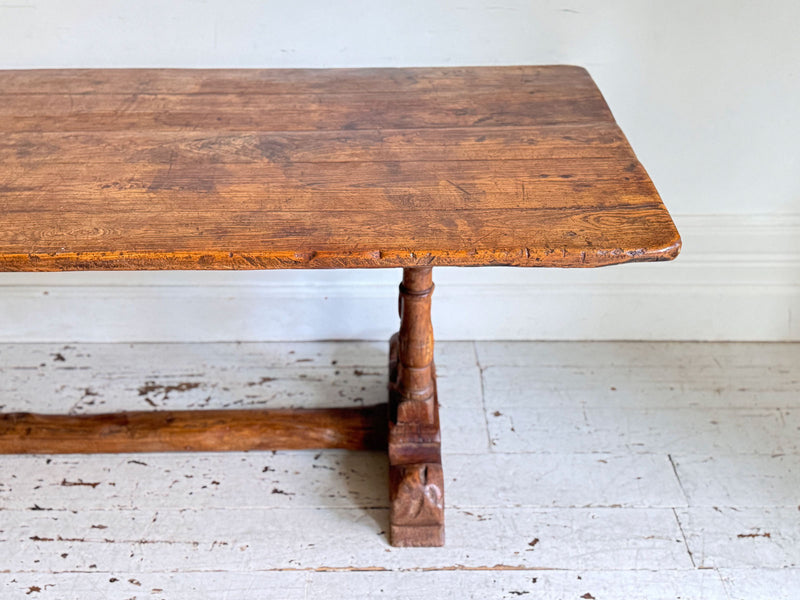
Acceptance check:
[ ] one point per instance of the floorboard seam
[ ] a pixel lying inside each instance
(683, 535)
(678, 479)
(723, 584)
(483, 398)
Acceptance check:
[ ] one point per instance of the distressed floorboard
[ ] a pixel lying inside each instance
(301, 479)
(402, 585)
(572, 470)
(334, 479)
(562, 480)
(662, 431)
(740, 481)
(258, 539)
(731, 537)
(668, 355)
(761, 583)
(537, 584)
(179, 358)
(625, 386)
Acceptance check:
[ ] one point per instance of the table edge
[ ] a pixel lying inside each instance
(174, 261)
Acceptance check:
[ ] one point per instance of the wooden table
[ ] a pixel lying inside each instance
(337, 168)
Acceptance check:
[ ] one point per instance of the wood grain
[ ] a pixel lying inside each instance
(399, 145)
(194, 431)
(303, 168)
(416, 480)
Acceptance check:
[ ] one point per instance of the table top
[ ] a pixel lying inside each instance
(319, 168)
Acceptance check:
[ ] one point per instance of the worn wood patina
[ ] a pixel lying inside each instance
(327, 168)
(259, 169)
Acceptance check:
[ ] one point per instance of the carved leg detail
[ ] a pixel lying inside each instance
(415, 464)
(417, 496)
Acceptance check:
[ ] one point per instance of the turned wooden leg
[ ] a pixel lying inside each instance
(415, 464)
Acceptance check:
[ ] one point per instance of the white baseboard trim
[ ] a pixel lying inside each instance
(738, 278)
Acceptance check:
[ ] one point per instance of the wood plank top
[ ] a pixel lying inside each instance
(319, 168)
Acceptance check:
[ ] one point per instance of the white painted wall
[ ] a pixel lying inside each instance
(707, 92)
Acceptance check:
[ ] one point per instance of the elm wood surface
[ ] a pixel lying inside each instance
(194, 431)
(256, 169)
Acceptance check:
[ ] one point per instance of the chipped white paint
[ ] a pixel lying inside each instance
(740, 480)
(763, 537)
(761, 583)
(665, 398)
(625, 493)
(339, 479)
(561, 480)
(234, 539)
(695, 431)
(402, 585)
(664, 356)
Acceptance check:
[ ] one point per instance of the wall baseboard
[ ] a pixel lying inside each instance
(738, 278)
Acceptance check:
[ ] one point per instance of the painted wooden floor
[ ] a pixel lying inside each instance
(573, 470)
